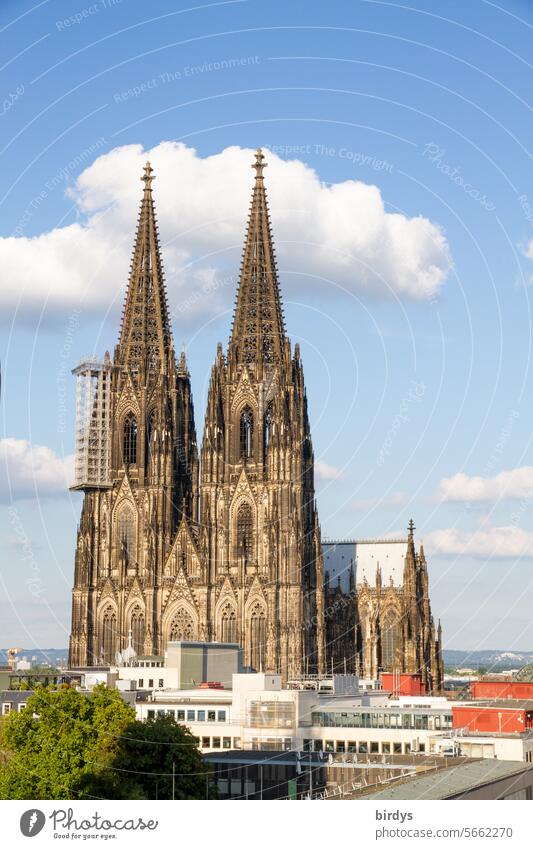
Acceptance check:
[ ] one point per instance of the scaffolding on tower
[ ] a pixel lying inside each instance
(93, 402)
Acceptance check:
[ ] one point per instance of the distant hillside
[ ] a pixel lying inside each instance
(494, 659)
(52, 657)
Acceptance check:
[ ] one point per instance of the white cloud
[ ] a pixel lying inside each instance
(507, 541)
(32, 471)
(341, 232)
(325, 472)
(527, 250)
(509, 484)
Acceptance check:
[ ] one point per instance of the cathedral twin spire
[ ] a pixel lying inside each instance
(145, 342)
(258, 333)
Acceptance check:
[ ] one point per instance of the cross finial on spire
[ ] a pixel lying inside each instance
(259, 163)
(411, 528)
(147, 177)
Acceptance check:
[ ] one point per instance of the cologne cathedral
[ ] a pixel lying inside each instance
(224, 546)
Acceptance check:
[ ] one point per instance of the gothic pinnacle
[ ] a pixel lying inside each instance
(259, 163)
(147, 177)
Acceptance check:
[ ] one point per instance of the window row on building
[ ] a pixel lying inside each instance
(189, 714)
(363, 747)
(415, 721)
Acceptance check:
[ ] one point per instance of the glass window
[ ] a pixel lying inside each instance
(191, 715)
(422, 747)
(141, 682)
(385, 748)
(161, 683)
(330, 746)
(352, 746)
(318, 745)
(307, 745)
(206, 742)
(236, 742)
(150, 682)
(201, 716)
(221, 715)
(160, 712)
(211, 715)
(151, 714)
(341, 746)
(374, 748)
(216, 743)
(226, 742)
(181, 715)
(170, 713)
(397, 748)
(363, 748)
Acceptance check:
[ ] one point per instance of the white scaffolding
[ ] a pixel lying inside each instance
(93, 399)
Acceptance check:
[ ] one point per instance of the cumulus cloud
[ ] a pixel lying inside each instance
(528, 250)
(510, 484)
(32, 471)
(325, 472)
(506, 541)
(341, 232)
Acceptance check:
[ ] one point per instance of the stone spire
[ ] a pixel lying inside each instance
(145, 342)
(258, 333)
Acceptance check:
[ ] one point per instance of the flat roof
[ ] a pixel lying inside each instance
(505, 704)
(453, 781)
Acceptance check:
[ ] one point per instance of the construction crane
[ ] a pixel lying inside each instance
(11, 653)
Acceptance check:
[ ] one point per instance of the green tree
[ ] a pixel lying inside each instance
(157, 759)
(61, 741)
(70, 745)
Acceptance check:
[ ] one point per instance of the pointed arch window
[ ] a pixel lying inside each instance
(126, 532)
(228, 624)
(150, 433)
(130, 440)
(246, 434)
(182, 626)
(245, 534)
(390, 640)
(137, 630)
(108, 635)
(257, 637)
(267, 429)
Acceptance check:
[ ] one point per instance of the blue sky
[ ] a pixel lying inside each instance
(402, 207)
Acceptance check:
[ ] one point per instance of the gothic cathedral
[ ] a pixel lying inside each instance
(156, 562)
(226, 549)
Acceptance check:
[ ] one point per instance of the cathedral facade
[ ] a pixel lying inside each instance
(241, 562)
(378, 611)
(225, 547)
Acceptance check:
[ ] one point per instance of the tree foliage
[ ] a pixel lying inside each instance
(69, 745)
(158, 759)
